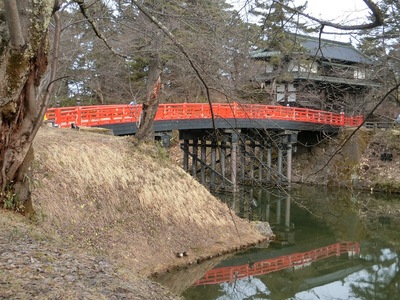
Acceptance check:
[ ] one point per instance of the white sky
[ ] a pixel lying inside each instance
(341, 11)
(326, 9)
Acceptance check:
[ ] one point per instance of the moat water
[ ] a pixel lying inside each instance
(322, 251)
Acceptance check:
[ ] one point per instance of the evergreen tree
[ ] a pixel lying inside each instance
(382, 44)
(279, 22)
(95, 75)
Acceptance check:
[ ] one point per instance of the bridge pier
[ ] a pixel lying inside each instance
(194, 158)
(234, 148)
(260, 160)
(279, 177)
(203, 159)
(229, 158)
(185, 155)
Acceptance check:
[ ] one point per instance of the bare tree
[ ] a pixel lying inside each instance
(25, 93)
(24, 62)
(150, 106)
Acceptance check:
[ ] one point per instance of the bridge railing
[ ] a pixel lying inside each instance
(112, 114)
(93, 115)
(296, 260)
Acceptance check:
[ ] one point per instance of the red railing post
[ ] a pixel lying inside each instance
(57, 114)
(338, 249)
(78, 117)
(235, 109)
(341, 118)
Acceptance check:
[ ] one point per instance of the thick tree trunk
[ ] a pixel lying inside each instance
(149, 109)
(24, 61)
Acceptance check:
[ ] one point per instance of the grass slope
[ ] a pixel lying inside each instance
(128, 202)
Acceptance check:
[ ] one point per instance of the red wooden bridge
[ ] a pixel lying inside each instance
(176, 116)
(246, 129)
(296, 260)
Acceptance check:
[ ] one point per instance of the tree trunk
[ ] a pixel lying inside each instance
(149, 108)
(22, 106)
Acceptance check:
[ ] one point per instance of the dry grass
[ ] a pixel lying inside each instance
(128, 201)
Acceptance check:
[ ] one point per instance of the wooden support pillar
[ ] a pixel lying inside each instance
(194, 157)
(287, 212)
(235, 198)
(242, 161)
(268, 207)
(269, 162)
(186, 155)
(251, 164)
(223, 159)
(234, 146)
(252, 203)
(288, 140)
(280, 156)
(289, 164)
(278, 211)
(213, 164)
(260, 160)
(242, 203)
(203, 157)
(291, 139)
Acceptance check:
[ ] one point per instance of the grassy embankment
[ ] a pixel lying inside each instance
(128, 202)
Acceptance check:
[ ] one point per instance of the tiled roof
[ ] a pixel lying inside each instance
(325, 49)
(332, 50)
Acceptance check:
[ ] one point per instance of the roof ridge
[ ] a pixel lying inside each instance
(321, 39)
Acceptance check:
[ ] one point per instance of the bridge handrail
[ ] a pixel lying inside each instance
(113, 114)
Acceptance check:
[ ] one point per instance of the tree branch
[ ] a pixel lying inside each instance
(53, 72)
(13, 24)
(179, 45)
(375, 10)
(394, 89)
(92, 22)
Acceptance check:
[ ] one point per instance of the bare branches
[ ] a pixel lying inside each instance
(92, 22)
(181, 48)
(14, 24)
(388, 93)
(53, 71)
(375, 11)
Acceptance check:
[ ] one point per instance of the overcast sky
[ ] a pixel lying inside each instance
(327, 9)
(341, 11)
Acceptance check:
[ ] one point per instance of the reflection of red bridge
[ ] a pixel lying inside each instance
(296, 260)
(118, 114)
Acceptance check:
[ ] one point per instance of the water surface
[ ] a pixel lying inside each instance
(323, 251)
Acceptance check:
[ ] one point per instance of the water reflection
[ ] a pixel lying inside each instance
(292, 261)
(322, 252)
